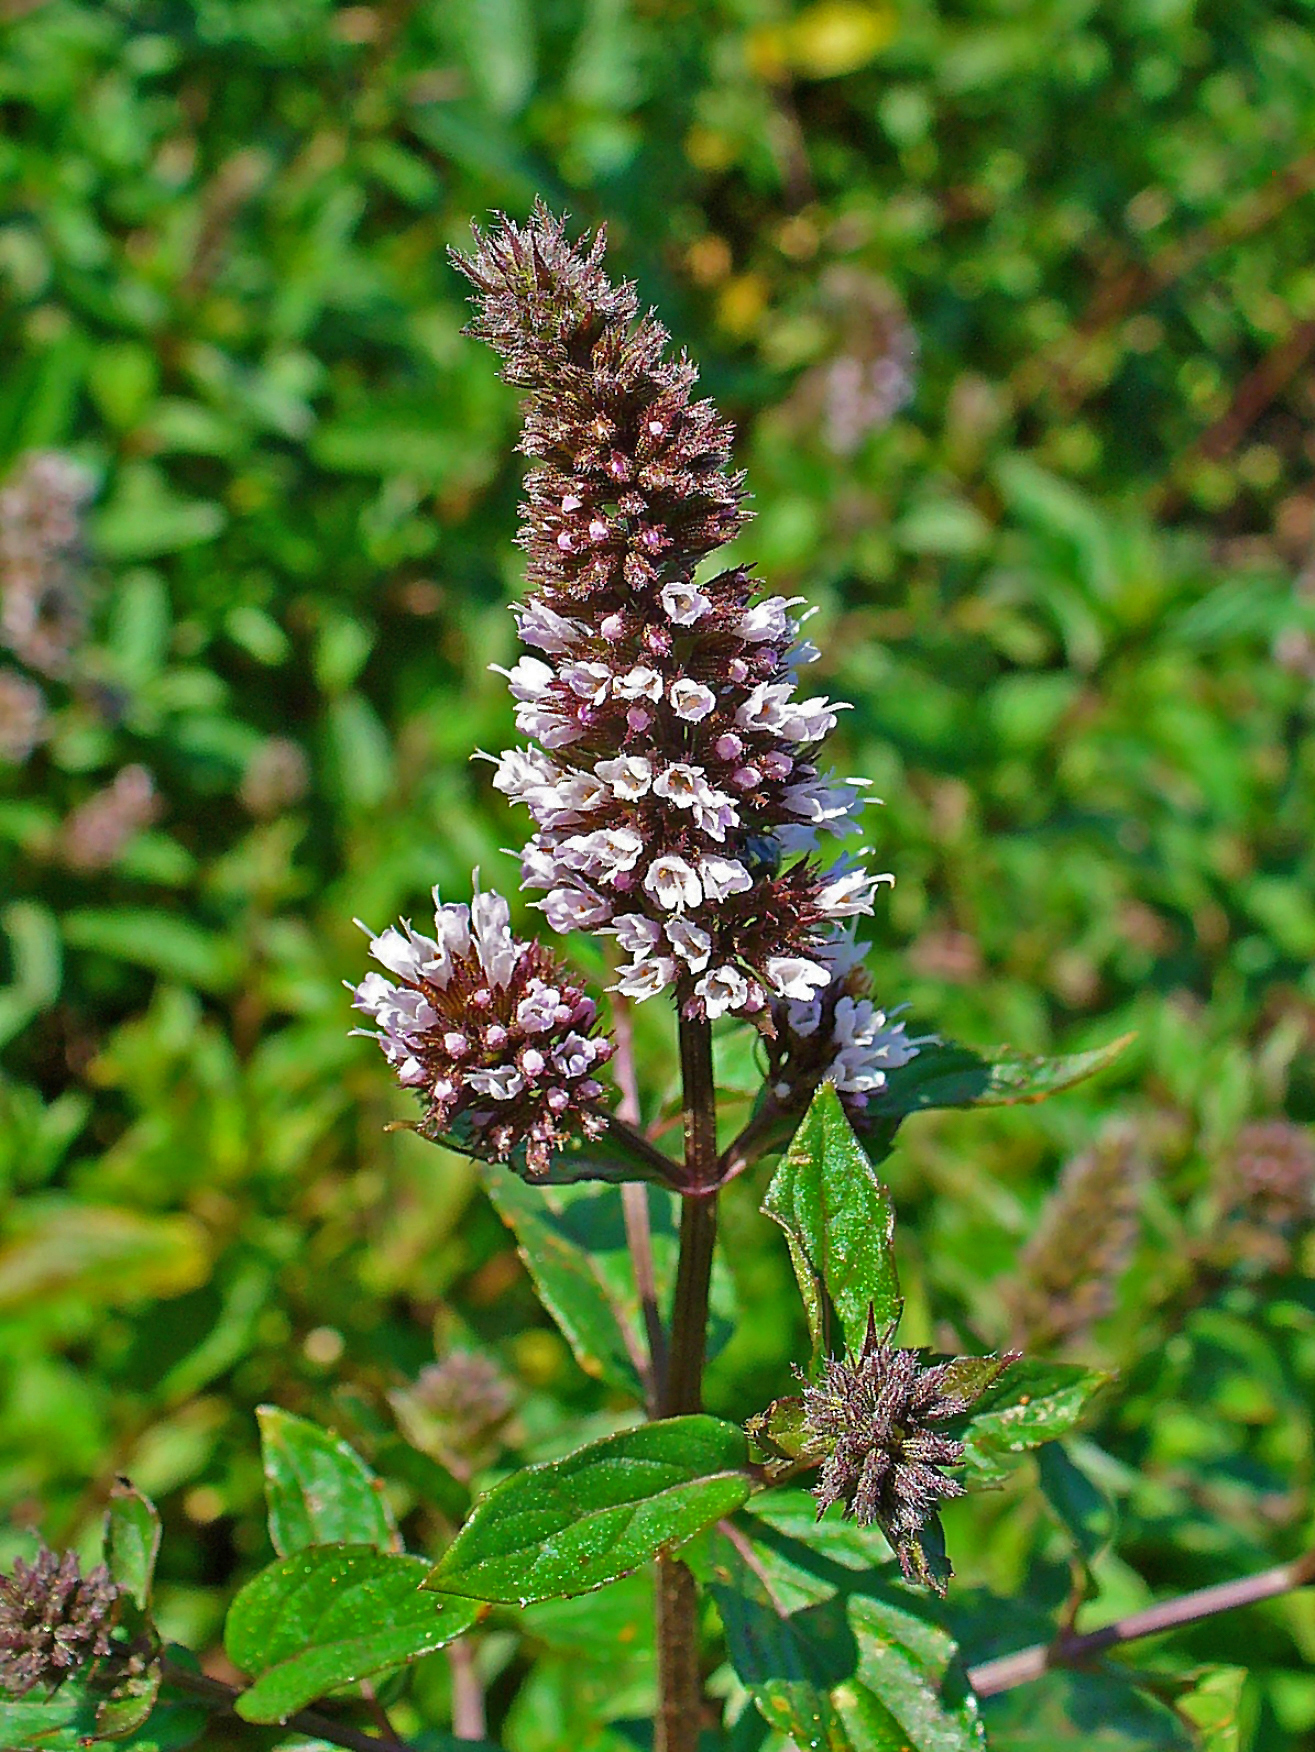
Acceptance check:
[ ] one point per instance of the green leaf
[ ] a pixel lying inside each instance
(35, 953)
(779, 1432)
(571, 1525)
(329, 1617)
(1213, 1706)
(1031, 1403)
(318, 1489)
(839, 1222)
(947, 1075)
(834, 1657)
(1080, 1506)
(130, 1704)
(557, 1239)
(97, 1254)
(132, 1541)
(173, 947)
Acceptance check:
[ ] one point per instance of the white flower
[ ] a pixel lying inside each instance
(795, 977)
(573, 1055)
(692, 944)
(768, 620)
(522, 773)
(850, 892)
(606, 852)
(725, 988)
(765, 707)
(588, 681)
(503, 1082)
(714, 812)
(691, 700)
(680, 784)
(629, 776)
(819, 802)
(404, 952)
(673, 884)
(490, 926)
(645, 979)
(637, 935)
(529, 678)
(571, 909)
(721, 877)
(638, 684)
(684, 604)
(544, 628)
(537, 1010)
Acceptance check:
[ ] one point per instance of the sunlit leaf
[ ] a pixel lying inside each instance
(573, 1524)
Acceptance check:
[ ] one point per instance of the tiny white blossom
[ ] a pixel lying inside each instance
(725, 988)
(544, 628)
(684, 603)
(640, 683)
(490, 926)
(722, 877)
(768, 620)
(645, 979)
(691, 700)
(690, 942)
(793, 976)
(572, 909)
(629, 776)
(537, 1010)
(673, 883)
(637, 935)
(503, 1082)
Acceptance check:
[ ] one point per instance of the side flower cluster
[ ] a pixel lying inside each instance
(873, 1419)
(487, 1030)
(673, 775)
(54, 1621)
(840, 1037)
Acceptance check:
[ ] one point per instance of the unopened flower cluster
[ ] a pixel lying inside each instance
(54, 1621)
(488, 1031)
(673, 775)
(873, 1418)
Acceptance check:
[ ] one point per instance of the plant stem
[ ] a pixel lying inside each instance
(1071, 1648)
(468, 1718)
(680, 1689)
(634, 1206)
(221, 1697)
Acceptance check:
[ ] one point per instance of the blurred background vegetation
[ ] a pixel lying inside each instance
(1014, 306)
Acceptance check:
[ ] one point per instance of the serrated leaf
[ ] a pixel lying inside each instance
(329, 1617)
(1031, 1403)
(840, 1225)
(132, 1541)
(318, 1489)
(945, 1074)
(572, 1525)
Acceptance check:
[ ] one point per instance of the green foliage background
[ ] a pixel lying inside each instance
(1067, 588)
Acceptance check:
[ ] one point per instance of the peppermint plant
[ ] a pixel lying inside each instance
(675, 775)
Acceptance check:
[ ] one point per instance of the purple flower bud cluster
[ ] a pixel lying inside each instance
(675, 784)
(54, 1621)
(487, 1030)
(840, 1037)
